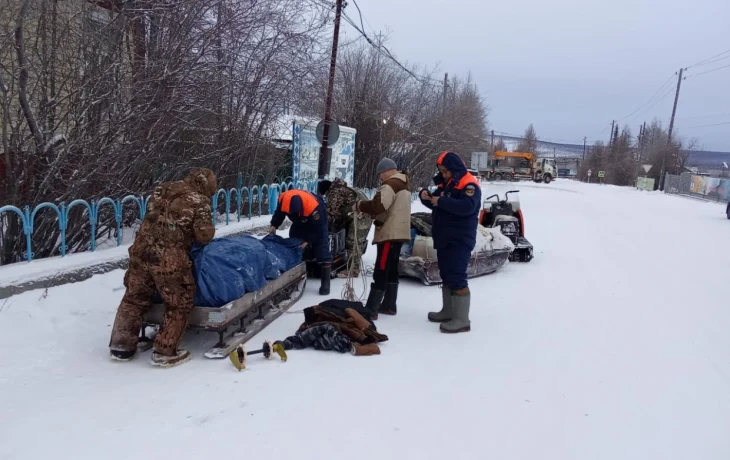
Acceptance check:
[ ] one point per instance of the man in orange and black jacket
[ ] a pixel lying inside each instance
(455, 203)
(308, 214)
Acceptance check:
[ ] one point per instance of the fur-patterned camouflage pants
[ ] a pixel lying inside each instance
(177, 290)
(322, 337)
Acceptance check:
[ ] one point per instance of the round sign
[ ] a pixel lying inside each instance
(334, 133)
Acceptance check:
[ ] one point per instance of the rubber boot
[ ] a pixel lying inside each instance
(460, 302)
(389, 307)
(374, 300)
(446, 310)
(325, 275)
(182, 356)
(365, 350)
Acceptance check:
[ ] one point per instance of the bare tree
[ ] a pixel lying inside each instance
(528, 143)
(105, 98)
(499, 145)
(109, 98)
(398, 114)
(623, 158)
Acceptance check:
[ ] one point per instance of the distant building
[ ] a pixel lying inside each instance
(567, 167)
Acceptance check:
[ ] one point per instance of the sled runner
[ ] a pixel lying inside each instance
(418, 260)
(247, 316)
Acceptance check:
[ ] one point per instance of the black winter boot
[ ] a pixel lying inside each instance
(325, 275)
(389, 307)
(374, 300)
(121, 355)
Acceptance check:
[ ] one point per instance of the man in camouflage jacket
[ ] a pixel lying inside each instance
(178, 215)
(340, 199)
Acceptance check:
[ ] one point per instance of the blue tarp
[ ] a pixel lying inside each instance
(227, 268)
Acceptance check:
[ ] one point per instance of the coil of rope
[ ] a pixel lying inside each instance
(348, 290)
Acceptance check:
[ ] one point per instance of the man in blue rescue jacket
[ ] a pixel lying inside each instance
(308, 214)
(455, 203)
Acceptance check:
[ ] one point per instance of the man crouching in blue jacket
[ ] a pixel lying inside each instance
(308, 214)
(455, 203)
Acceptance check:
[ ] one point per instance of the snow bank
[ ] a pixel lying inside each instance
(24, 272)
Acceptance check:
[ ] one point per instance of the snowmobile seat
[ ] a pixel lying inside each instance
(249, 314)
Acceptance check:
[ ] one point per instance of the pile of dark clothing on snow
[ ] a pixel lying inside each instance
(337, 325)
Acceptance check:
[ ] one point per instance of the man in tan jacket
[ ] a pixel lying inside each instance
(391, 209)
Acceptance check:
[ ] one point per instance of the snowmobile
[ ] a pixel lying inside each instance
(419, 260)
(507, 216)
(247, 316)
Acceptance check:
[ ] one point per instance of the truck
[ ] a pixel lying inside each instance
(521, 165)
(480, 162)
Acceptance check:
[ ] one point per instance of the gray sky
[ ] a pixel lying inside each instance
(570, 66)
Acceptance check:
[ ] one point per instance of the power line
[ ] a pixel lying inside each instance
(717, 115)
(666, 93)
(360, 13)
(706, 126)
(604, 129)
(709, 60)
(380, 47)
(572, 142)
(715, 60)
(387, 53)
(664, 85)
(709, 71)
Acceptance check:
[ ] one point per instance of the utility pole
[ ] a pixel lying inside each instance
(642, 136)
(492, 142)
(446, 85)
(585, 139)
(325, 151)
(610, 141)
(671, 128)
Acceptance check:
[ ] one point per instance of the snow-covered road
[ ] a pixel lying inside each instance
(613, 343)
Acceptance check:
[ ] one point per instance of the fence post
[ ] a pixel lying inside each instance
(28, 229)
(95, 212)
(118, 218)
(63, 225)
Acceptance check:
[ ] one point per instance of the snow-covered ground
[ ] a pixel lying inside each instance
(613, 343)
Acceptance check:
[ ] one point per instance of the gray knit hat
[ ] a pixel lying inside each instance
(386, 164)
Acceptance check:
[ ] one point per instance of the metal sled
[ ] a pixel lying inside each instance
(426, 269)
(483, 263)
(249, 314)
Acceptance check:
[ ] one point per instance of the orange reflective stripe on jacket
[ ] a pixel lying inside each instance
(466, 180)
(309, 202)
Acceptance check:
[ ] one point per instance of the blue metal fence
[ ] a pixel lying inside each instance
(240, 194)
